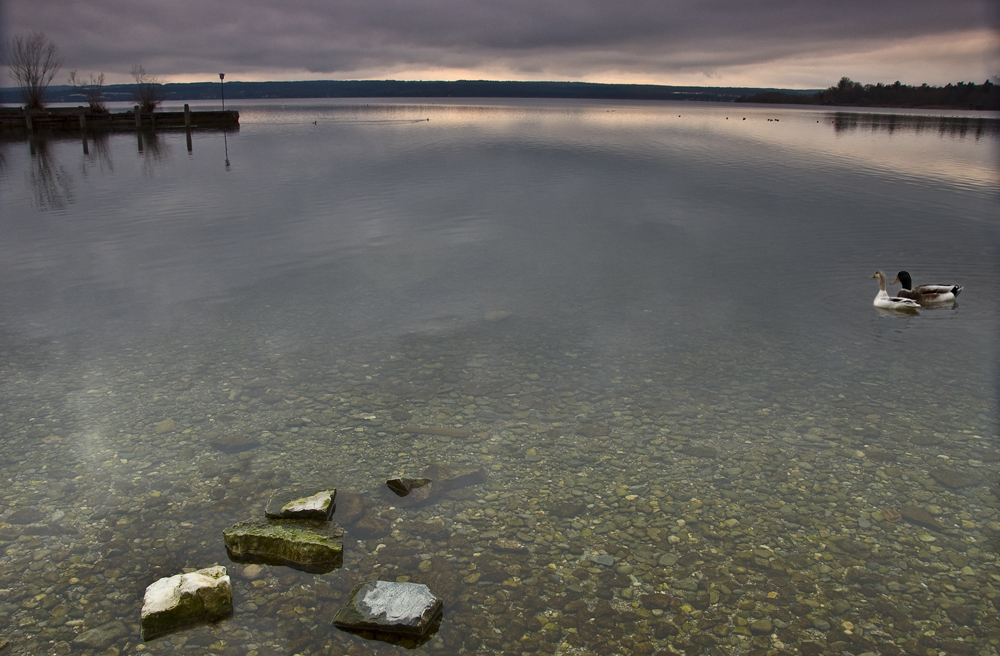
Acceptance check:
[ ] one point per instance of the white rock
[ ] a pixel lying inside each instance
(390, 607)
(395, 602)
(177, 601)
(318, 502)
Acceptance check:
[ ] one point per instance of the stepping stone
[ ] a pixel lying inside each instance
(316, 547)
(317, 506)
(387, 607)
(178, 601)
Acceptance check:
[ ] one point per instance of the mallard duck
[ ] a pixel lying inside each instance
(886, 302)
(926, 294)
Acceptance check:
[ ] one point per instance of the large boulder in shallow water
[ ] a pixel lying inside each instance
(386, 607)
(316, 547)
(317, 505)
(185, 599)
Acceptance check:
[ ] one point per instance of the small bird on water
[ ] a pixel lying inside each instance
(886, 302)
(931, 294)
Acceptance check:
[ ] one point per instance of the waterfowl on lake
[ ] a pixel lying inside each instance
(886, 302)
(926, 294)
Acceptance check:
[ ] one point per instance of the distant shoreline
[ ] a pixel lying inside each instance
(852, 95)
(236, 90)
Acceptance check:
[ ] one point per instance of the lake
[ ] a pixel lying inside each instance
(632, 344)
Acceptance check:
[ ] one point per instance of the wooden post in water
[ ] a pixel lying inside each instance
(83, 130)
(138, 119)
(27, 120)
(187, 125)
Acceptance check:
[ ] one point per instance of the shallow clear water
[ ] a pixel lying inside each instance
(655, 322)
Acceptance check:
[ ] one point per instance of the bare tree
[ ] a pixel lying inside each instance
(92, 90)
(33, 61)
(148, 91)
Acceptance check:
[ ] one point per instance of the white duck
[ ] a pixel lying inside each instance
(886, 302)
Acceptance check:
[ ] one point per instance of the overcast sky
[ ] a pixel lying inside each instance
(766, 43)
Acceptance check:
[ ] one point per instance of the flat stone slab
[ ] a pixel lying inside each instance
(452, 477)
(387, 607)
(954, 479)
(316, 547)
(417, 488)
(102, 636)
(178, 601)
(920, 516)
(435, 430)
(313, 505)
(235, 443)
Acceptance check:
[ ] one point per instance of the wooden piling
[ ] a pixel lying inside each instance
(187, 116)
(83, 131)
(138, 118)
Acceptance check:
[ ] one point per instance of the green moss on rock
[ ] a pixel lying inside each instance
(316, 547)
(314, 505)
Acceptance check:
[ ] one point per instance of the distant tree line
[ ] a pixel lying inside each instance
(847, 92)
(174, 92)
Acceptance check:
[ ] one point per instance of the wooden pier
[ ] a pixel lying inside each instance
(83, 119)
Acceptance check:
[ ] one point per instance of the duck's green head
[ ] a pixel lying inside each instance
(903, 278)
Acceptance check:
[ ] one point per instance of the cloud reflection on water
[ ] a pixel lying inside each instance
(389, 224)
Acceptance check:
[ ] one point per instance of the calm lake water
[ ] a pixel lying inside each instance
(646, 328)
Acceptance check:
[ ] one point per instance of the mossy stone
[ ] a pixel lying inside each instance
(316, 505)
(316, 547)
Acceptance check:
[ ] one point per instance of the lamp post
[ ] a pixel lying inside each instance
(222, 84)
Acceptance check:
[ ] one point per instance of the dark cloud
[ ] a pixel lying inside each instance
(558, 39)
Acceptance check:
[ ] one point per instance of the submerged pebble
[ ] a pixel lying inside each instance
(653, 502)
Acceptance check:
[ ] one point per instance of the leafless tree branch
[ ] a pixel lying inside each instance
(33, 60)
(92, 90)
(148, 91)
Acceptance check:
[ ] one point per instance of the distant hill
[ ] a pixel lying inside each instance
(401, 89)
